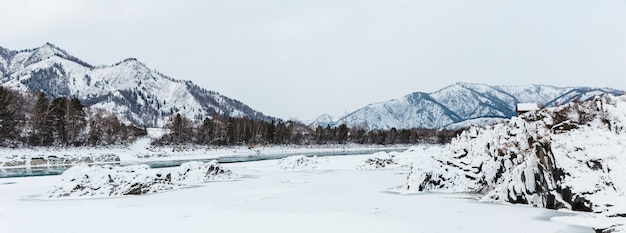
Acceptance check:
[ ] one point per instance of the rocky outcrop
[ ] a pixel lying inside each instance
(378, 160)
(107, 181)
(94, 181)
(196, 172)
(297, 162)
(570, 157)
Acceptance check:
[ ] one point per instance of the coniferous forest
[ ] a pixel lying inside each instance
(230, 131)
(33, 119)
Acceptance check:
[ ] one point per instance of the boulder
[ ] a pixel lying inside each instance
(297, 162)
(197, 172)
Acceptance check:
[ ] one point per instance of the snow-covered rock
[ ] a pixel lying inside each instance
(197, 172)
(297, 162)
(572, 156)
(378, 160)
(107, 181)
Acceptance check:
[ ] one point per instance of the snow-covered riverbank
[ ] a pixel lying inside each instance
(338, 194)
(52, 161)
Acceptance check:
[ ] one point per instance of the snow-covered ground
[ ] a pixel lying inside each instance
(338, 194)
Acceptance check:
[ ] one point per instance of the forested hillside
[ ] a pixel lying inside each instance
(36, 120)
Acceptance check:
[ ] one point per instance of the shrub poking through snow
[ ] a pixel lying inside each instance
(107, 181)
(297, 162)
(196, 172)
(378, 160)
(570, 156)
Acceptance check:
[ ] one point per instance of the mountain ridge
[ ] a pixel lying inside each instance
(460, 102)
(128, 88)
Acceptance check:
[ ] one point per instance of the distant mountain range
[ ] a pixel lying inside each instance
(134, 92)
(145, 97)
(461, 102)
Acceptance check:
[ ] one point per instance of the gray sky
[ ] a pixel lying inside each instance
(299, 59)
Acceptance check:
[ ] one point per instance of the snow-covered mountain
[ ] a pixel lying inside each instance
(571, 156)
(461, 102)
(322, 120)
(129, 89)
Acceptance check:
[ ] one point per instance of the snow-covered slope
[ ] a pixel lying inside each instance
(572, 156)
(460, 102)
(135, 92)
(322, 120)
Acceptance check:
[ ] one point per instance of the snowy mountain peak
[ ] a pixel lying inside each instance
(322, 120)
(128, 88)
(463, 101)
(46, 51)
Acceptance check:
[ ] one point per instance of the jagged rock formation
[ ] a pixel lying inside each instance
(571, 156)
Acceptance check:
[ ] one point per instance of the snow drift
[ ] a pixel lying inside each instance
(108, 181)
(572, 156)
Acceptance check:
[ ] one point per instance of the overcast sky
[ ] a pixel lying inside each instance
(300, 59)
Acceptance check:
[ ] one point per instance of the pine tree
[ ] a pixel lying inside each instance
(76, 121)
(58, 115)
(180, 129)
(42, 122)
(7, 115)
(342, 134)
(206, 132)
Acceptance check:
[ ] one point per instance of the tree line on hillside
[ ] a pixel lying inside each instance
(33, 119)
(231, 131)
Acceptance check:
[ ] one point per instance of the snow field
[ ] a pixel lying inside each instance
(334, 197)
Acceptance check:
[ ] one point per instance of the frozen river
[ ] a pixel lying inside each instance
(173, 162)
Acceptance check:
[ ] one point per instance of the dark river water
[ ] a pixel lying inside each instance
(56, 170)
